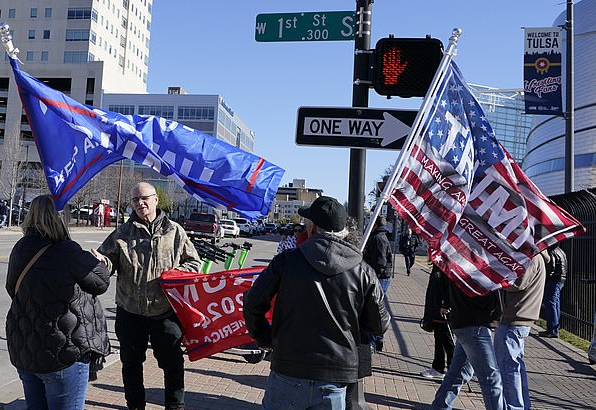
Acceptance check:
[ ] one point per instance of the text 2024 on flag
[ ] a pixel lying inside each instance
(462, 192)
(76, 141)
(209, 307)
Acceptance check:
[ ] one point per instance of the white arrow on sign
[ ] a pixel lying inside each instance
(390, 129)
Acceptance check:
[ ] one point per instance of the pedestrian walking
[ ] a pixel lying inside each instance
(408, 244)
(521, 307)
(556, 273)
(55, 328)
(436, 297)
(472, 320)
(326, 298)
(379, 256)
(3, 214)
(139, 250)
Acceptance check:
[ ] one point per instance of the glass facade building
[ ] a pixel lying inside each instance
(505, 111)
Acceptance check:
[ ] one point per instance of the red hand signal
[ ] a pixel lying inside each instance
(392, 65)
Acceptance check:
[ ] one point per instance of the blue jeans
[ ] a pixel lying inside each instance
(61, 390)
(552, 306)
(474, 351)
(290, 393)
(509, 349)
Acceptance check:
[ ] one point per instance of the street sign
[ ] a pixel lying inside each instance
(353, 127)
(318, 26)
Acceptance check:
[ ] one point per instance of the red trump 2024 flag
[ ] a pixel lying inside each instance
(462, 192)
(209, 307)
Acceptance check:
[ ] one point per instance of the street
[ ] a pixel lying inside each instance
(10, 387)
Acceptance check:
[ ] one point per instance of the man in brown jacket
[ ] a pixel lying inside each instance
(139, 251)
(521, 307)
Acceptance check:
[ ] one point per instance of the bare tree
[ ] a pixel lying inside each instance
(13, 155)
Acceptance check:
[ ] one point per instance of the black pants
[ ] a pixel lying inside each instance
(409, 258)
(134, 333)
(443, 346)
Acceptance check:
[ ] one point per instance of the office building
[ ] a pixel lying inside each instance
(207, 113)
(504, 109)
(545, 159)
(81, 48)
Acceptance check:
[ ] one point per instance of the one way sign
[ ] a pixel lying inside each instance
(353, 127)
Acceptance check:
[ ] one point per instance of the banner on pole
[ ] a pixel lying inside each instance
(542, 71)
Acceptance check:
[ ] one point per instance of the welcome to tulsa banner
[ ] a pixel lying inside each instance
(542, 71)
(209, 307)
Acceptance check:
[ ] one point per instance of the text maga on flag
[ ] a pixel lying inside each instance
(462, 192)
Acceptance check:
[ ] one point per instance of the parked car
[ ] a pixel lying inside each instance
(85, 213)
(246, 227)
(270, 228)
(203, 225)
(229, 227)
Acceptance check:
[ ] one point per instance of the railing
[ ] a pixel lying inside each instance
(578, 297)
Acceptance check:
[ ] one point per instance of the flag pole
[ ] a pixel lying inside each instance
(414, 134)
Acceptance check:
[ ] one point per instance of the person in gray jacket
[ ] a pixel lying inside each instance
(140, 250)
(326, 298)
(521, 307)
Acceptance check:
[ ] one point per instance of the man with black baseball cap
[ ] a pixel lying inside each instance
(326, 297)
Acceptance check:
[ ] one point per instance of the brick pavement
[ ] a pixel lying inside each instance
(559, 375)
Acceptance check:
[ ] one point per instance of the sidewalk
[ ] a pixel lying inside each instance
(559, 374)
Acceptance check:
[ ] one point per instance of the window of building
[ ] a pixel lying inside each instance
(33, 13)
(44, 56)
(120, 60)
(77, 57)
(124, 22)
(82, 13)
(46, 34)
(122, 109)
(12, 13)
(77, 35)
(196, 113)
(29, 55)
(94, 15)
(165, 111)
(122, 41)
(93, 37)
(48, 12)
(31, 35)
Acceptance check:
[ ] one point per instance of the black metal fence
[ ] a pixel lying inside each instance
(578, 297)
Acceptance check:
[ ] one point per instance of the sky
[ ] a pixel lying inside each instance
(209, 47)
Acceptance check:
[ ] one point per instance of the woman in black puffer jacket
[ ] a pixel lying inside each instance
(55, 326)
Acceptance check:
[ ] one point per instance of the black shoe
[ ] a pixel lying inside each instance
(379, 346)
(548, 334)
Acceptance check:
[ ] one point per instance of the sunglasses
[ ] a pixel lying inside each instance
(142, 198)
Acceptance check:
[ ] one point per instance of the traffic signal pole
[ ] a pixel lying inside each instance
(360, 99)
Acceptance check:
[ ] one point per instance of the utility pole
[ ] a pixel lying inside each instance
(360, 99)
(569, 102)
(360, 89)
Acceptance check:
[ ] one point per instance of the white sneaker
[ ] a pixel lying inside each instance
(432, 374)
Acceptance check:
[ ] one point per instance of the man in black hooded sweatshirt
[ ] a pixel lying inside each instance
(326, 297)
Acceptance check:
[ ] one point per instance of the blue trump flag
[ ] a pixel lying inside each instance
(76, 141)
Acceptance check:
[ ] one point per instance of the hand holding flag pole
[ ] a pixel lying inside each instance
(414, 131)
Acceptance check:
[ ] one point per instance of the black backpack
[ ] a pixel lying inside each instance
(556, 269)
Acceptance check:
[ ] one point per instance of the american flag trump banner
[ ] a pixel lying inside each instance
(461, 191)
(76, 141)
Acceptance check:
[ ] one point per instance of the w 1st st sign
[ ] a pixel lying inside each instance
(353, 127)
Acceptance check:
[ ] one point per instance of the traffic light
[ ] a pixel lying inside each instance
(405, 67)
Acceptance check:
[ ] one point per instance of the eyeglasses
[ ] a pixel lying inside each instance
(142, 198)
